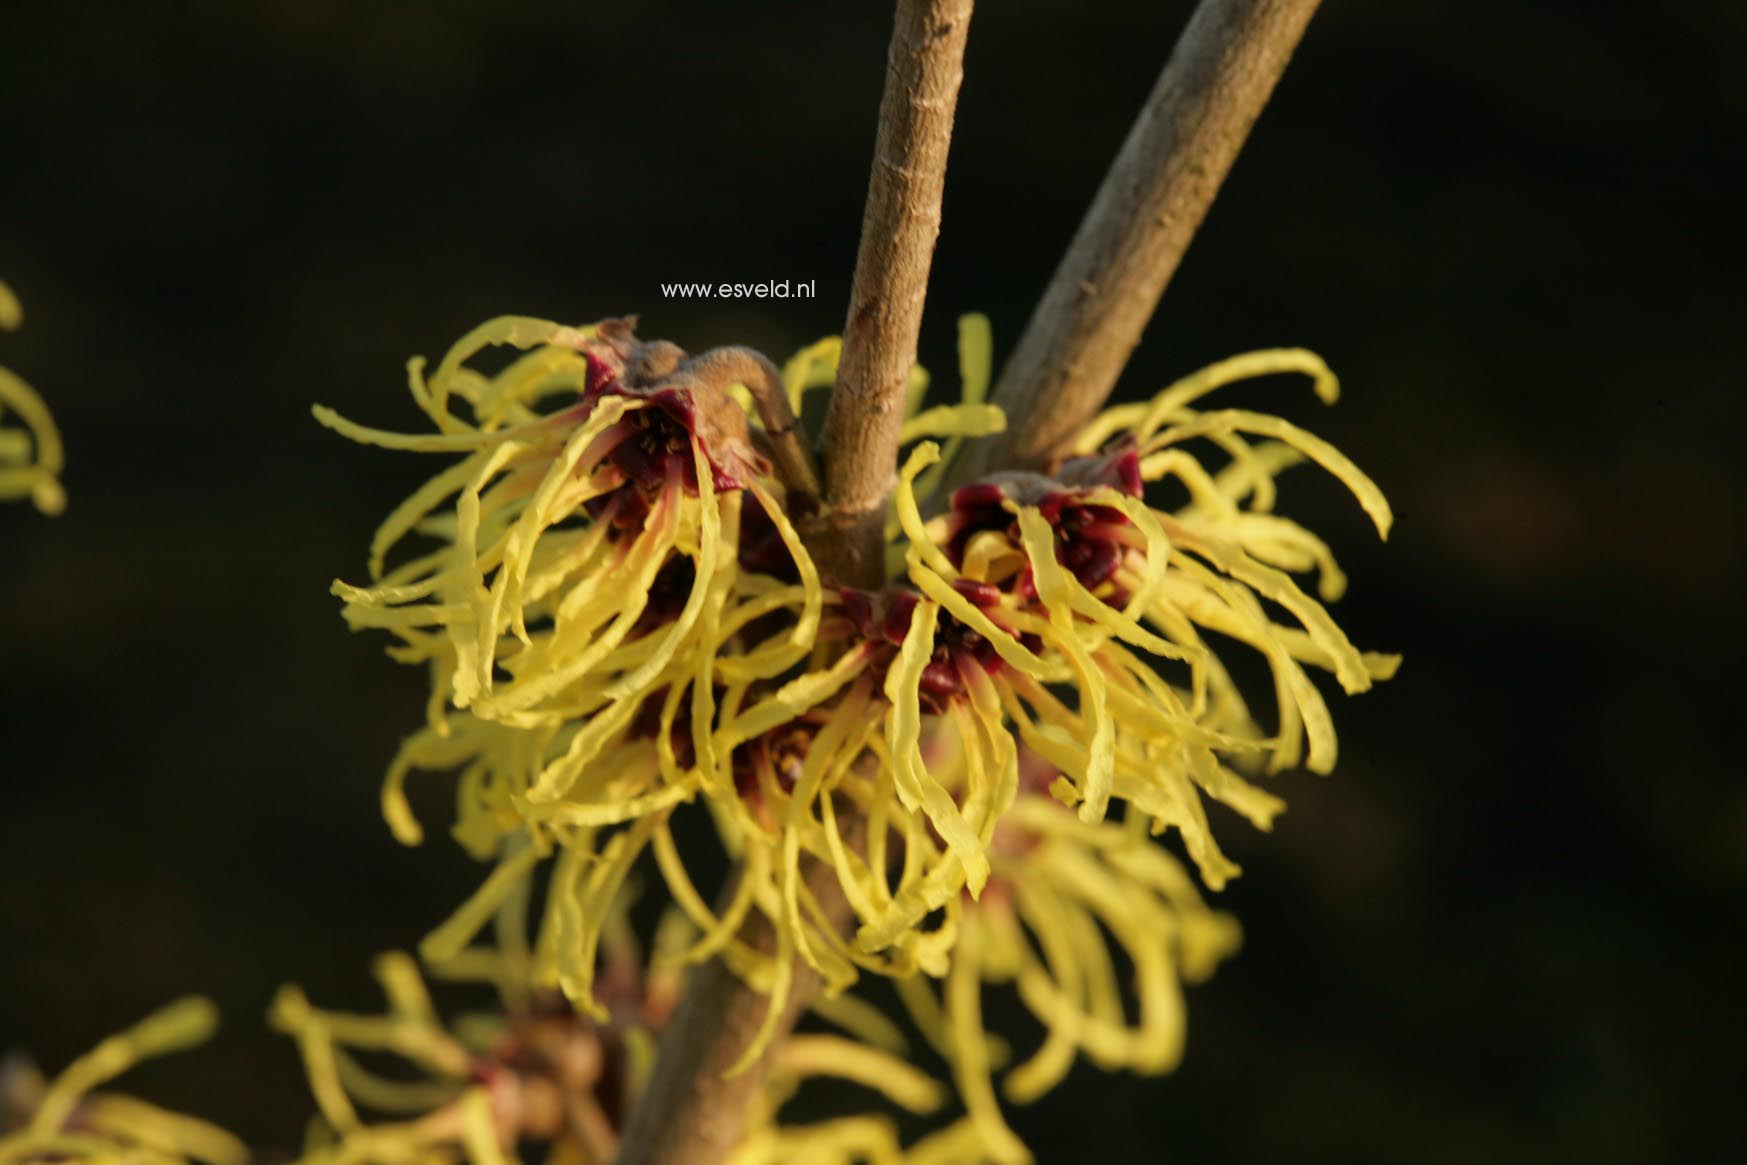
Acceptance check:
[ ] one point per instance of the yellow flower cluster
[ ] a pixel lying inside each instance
(607, 636)
(31, 458)
(621, 620)
(65, 1121)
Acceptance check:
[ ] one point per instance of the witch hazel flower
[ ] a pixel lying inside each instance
(585, 604)
(613, 633)
(534, 608)
(1117, 593)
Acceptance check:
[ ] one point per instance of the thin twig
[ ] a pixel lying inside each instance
(924, 69)
(1088, 322)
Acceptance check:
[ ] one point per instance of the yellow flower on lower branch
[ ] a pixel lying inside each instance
(66, 1121)
(31, 458)
(1060, 887)
(535, 1073)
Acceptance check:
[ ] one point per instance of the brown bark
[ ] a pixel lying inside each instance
(1155, 196)
(899, 226)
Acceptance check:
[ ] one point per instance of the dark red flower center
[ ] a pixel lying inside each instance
(882, 621)
(1090, 536)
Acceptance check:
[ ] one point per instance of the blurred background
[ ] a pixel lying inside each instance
(1509, 928)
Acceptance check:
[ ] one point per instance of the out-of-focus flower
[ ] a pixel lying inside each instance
(1059, 887)
(31, 458)
(65, 1120)
(538, 1073)
(534, 1070)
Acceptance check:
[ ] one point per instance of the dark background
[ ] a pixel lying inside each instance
(1508, 928)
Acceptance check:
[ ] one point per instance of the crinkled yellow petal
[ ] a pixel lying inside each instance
(582, 920)
(910, 516)
(1004, 642)
(791, 700)
(453, 442)
(1055, 592)
(916, 787)
(807, 623)
(826, 757)
(1370, 497)
(976, 354)
(1146, 417)
(517, 331)
(1042, 913)
(826, 1055)
(956, 421)
(814, 366)
(292, 1014)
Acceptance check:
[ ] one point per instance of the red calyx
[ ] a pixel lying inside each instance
(659, 444)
